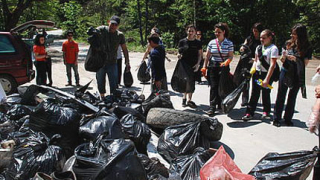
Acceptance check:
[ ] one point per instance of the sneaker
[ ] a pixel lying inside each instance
(184, 102)
(276, 123)
(247, 117)
(265, 115)
(192, 104)
(288, 123)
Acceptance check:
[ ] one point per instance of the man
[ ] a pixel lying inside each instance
(157, 58)
(70, 50)
(111, 39)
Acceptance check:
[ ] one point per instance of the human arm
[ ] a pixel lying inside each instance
(147, 52)
(266, 80)
(314, 118)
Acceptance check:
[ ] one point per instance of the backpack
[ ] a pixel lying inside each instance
(276, 71)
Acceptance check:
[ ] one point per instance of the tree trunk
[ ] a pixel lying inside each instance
(147, 19)
(140, 23)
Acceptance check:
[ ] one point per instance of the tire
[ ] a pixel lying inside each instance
(164, 117)
(8, 83)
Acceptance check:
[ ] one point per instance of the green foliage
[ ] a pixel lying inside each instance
(168, 39)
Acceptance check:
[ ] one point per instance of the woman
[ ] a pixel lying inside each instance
(190, 50)
(40, 55)
(252, 42)
(262, 69)
(295, 57)
(219, 54)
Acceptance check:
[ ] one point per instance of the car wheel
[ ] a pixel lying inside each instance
(8, 83)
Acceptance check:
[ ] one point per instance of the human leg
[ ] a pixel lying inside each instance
(119, 63)
(49, 70)
(69, 76)
(291, 103)
(112, 72)
(101, 80)
(76, 74)
(281, 96)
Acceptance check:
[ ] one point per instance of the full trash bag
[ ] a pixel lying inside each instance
(153, 167)
(137, 131)
(243, 66)
(94, 60)
(188, 166)
(121, 111)
(18, 111)
(231, 100)
(50, 118)
(6, 128)
(161, 100)
(183, 139)
(34, 155)
(127, 78)
(226, 85)
(293, 165)
(109, 126)
(221, 166)
(108, 159)
(143, 73)
(183, 78)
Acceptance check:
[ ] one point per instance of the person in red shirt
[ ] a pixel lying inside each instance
(70, 50)
(40, 55)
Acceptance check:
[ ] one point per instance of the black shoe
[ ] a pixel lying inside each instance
(219, 107)
(288, 123)
(276, 123)
(78, 85)
(211, 112)
(192, 104)
(69, 84)
(243, 104)
(184, 102)
(247, 117)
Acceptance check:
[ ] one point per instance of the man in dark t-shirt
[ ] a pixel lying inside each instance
(157, 57)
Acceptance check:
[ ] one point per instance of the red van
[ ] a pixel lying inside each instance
(15, 56)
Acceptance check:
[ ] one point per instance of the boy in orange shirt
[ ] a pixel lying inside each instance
(70, 50)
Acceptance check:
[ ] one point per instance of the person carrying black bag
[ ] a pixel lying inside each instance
(295, 59)
(263, 69)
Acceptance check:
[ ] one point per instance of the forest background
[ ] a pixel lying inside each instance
(170, 16)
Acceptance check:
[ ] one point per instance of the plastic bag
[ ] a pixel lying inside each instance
(231, 100)
(51, 119)
(35, 155)
(127, 78)
(121, 111)
(153, 167)
(293, 165)
(94, 60)
(143, 73)
(137, 131)
(226, 85)
(188, 167)
(290, 79)
(161, 99)
(108, 159)
(18, 111)
(108, 126)
(183, 139)
(3, 96)
(183, 78)
(221, 166)
(243, 66)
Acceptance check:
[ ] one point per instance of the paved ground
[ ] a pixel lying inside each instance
(246, 142)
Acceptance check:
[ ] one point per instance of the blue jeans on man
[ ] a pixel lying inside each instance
(112, 71)
(76, 73)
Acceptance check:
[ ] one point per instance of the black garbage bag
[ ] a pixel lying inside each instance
(143, 73)
(127, 78)
(108, 159)
(28, 97)
(226, 85)
(292, 166)
(18, 111)
(3, 118)
(243, 66)
(50, 118)
(154, 168)
(231, 100)
(94, 60)
(121, 111)
(34, 155)
(188, 166)
(137, 131)
(6, 128)
(109, 126)
(161, 100)
(183, 78)
(13, 99)
(183, 139)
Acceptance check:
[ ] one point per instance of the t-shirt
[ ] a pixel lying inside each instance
(253, 43)
(111, 43)
(268, 52)
(157, 57)
(41, 50)
(119, 53)
(225, 47)
(70, 48)
(189, 50)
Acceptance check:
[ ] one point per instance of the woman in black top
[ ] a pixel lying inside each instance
(252, 42)
(295, 58)
(190, 54)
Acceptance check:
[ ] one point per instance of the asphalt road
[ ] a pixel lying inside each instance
(246, 142)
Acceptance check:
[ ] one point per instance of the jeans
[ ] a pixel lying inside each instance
(41, 68)
(76, 74)
(281, 96)
(112, 71)
(255, 95)
(119, 63)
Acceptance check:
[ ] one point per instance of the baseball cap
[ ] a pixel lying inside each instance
(115, 19)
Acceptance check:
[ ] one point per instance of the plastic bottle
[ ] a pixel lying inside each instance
(259, 82)
(315, 79)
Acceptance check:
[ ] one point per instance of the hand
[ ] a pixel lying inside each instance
(226, 63)
(252, 70)
(179, 56)
(291, 58)
(264, 83)
(317, 90)
(196, 67)
(318, 69)
(204, 71)
(128, 67)
(158, 84)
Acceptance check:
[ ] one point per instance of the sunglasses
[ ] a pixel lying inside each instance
(70, 35)
(199, 34)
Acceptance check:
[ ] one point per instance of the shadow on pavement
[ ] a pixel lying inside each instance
(217, 144)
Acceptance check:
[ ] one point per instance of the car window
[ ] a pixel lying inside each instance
(5, 45)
